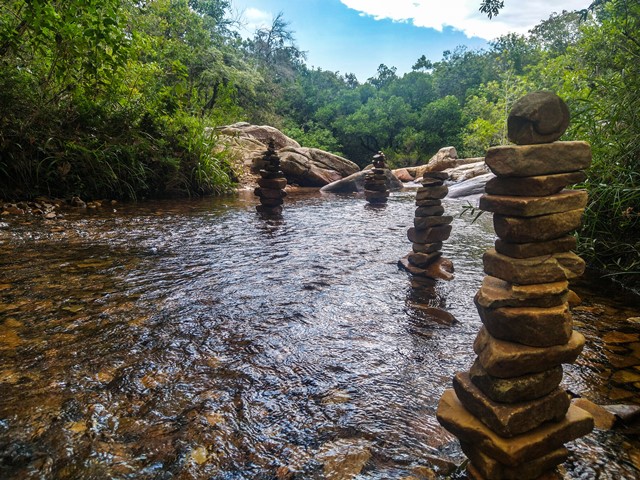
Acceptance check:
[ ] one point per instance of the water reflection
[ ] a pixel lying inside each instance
(198, 340)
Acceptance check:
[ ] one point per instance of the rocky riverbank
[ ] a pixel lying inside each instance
(51, 208)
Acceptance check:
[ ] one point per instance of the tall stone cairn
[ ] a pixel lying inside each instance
(271, 185)
(430, 229)
(508, 411)
(375, 181)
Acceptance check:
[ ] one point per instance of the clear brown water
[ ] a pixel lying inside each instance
(195, 339)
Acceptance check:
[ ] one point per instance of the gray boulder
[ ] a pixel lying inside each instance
(306, 167)
(312, 167)
(467, 171)
(473, 186)
(260, 133)
(355, 183)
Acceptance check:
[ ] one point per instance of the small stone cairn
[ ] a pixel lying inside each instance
(271, 184)
(430, 229)
(375, 181)
(509, 412)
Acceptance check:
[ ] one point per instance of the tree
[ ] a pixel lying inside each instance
(514, 52)
(491, 7)
(275, 48)
(557, 33)
(422, 64)
(385, 76)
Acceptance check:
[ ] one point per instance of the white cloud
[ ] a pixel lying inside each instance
(463, 15)
(252, 19)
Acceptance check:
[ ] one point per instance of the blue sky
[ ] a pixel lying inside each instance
(355, 36)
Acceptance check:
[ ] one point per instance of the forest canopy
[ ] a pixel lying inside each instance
(120, 98)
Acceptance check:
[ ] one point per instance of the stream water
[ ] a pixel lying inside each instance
(195, 339)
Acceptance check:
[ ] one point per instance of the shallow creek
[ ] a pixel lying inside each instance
(195, 339)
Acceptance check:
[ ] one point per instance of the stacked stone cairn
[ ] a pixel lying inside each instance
(508, 411)
(375, 181)
(271, 185)
(430, 229)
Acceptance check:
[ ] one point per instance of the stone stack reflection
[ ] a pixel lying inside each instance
(271, 185)
(509, 411)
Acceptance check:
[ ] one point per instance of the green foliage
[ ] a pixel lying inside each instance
(315, 136)
(105, 99)
(608, 116)
(118, 98)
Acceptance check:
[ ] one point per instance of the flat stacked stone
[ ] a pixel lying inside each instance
(271, 184)
(509, 411)
(375, 181)
(430, 229)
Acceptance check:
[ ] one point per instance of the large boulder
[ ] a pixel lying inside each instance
(306, 167)
(355, 183)
(466, 171)
(473, 186)
(312, 167)
(445, 159)
(260, 133)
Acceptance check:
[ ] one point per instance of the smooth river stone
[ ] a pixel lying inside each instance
(375, 183)
(430, 210)
(375, 187)
(536, 327)
(534, 206)
(515, 389)
(432, 193)
(369, 194)
(267, 174)
(441, 268)
(538, 117)
(427, 247)
(427, 222)
(431, 182)
(271, 202)
(533, 270)
(437, 175)
(517, 450)
(269, 193)
(536, 229)
(534, 160)
(273, 183)
(379, 178)
(496, 293)
(507, 359)
(438, 233)
(538, 186)
(509, 420)
(421, 260)
(488, 467)
(536, 249)
(426, 203)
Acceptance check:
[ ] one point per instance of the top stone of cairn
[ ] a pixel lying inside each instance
(538, 117)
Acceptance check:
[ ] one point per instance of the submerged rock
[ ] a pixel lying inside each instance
(345, 458)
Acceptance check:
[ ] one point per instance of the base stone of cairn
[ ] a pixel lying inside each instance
(508, 411)
(271, 184)
(430, 229)
(375, 181)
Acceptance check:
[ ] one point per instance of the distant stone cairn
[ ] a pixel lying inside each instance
(271, 184)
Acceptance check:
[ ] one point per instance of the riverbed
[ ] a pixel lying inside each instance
(197, 339)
